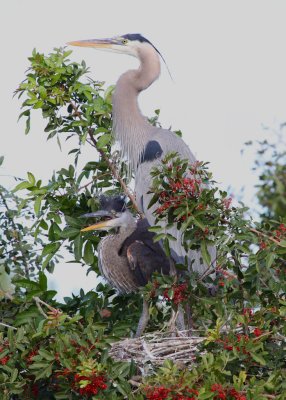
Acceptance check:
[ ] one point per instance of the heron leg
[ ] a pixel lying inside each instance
(189, 317)
(143, 321)
(176, 320)
(180, 321)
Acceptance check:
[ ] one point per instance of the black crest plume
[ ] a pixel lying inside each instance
(112, 203)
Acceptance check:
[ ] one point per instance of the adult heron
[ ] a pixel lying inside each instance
(127, 258)
(143, 144)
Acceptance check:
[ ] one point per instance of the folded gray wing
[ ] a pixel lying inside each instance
(144, 256)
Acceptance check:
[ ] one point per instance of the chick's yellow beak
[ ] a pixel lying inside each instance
(103, 225)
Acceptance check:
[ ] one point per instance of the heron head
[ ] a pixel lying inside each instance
(113, 213)
(112, 219)
(130, 43)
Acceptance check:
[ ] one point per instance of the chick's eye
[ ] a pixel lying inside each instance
(124, 41)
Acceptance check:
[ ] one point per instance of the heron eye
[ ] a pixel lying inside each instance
(124, 41)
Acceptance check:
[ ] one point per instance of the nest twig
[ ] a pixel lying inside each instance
(156, 347)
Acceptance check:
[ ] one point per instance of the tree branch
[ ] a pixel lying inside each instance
(115, 174)
(94, 178)
(8, 326)
(266, 236)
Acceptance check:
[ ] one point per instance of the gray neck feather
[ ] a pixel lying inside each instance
(115, 240)
(130, 127)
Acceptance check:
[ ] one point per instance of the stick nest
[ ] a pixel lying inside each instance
(154, 348)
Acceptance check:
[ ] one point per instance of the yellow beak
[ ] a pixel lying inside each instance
(101, 225)
(96, 43)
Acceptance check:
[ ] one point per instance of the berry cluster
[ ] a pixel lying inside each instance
(239, 342)
(6, 358)
(31, 355)
(89, 385)
(171, 393)
(224, 276)
(178, 190)
(222, 393)
(82, 349)
(280, 232)
(179, 293)
(227, 202)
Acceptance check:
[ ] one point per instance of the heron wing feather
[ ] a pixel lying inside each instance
(144, 261)
(169, 142)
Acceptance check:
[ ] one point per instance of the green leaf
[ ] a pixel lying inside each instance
(14, 375)
(28, 125)
(43, 281)
(205, 396)
(21, 186)
(27, 284)
(37, 205)
(46, 355)
(51, 248)
(159, 237)
(45, 372)
(39, 104)
(88, 254)
(103, 141)
(42, 92)
(155, 229)
(69, 233)
(270, 259)
(258, 358)
(44, 225)
(67, 53)
(26, 316)
(74, 222)
(51, 135)
(153, 200)
(205, 253)
(166, 246)
(198, 223)
(59, 143)
(78, 247)
(1, 160)
(25, 113)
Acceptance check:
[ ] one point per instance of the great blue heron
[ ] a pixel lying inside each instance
(143, 144)
(127, 258)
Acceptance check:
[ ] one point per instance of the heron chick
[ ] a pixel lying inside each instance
(128, 257)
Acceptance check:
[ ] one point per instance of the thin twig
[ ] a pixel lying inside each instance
(134, 383)
(93, 179)
(115, 173)
(52, 309)
(266, 236)
(210, 270)
(37, 300)
(8, 326)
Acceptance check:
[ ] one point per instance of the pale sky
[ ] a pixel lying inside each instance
(227, 59)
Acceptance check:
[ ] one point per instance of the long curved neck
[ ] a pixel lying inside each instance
(130, 127)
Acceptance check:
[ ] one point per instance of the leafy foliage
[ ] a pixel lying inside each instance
(52, 350)
(272, 179)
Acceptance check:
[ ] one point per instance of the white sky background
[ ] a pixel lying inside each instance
(227, 59)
